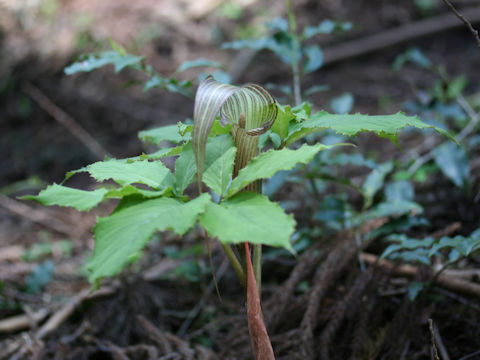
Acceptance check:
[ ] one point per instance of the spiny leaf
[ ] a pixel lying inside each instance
(66, 196)
(120, 236)
(268, 163)
(383, 125)
(249, 217)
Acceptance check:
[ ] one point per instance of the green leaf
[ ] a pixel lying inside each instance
(342, 104)
(414, 289)
(314, 59)
(164, 133)
(151, 173)
(268, 163)
(91, 62)
(326, 27)
(397, 208)
(383, 125)
(219, 163)
(132, 190)
(399, 190)
(117, 47)
(453, 162)
(65, 196)
(249, 217)
(374, 181)
(185, 168)
(120, 236)
(159, 154)
(40, 276)
(413, 55)
(197, 63)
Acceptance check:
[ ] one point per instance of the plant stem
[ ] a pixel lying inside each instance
(257, 265)
(235, 263)
(295, 56)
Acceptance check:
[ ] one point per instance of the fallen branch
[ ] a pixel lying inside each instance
(401, 34)
(66, 120)
(465, 21)
(38, 216)
(21, 322)
(446, 281)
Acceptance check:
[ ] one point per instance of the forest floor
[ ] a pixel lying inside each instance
(334, 301)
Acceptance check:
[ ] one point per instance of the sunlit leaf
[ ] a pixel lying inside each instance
(164, 133)
(351, 124)
(268, 163)
(219, 163)
(120, 236)
(66, 196)
(151, 173)
(249, 217)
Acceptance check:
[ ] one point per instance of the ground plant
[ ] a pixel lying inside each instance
(220, 152)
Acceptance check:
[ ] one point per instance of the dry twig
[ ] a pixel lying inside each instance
(445, 281)
(465, 21)
(66, 120)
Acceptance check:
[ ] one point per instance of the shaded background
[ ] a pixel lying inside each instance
(39, 38)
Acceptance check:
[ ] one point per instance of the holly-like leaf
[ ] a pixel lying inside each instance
(249, 217)
(120, 236)
(66, 196)
(268, 163)
(383, 125)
